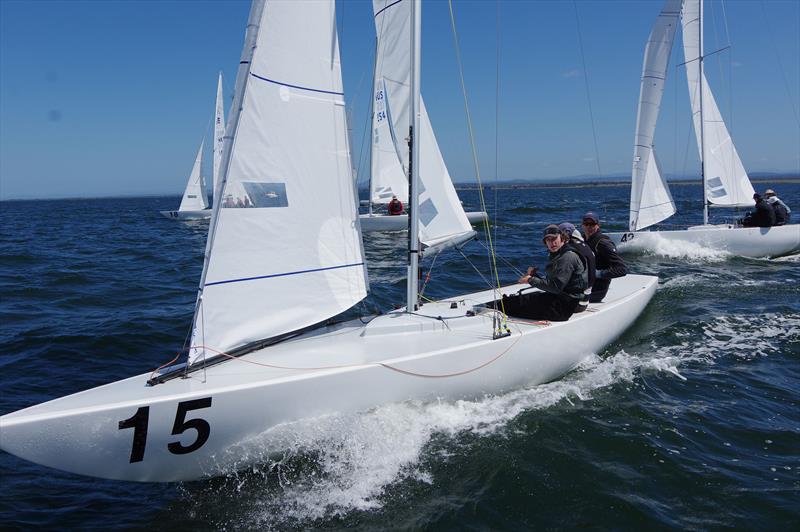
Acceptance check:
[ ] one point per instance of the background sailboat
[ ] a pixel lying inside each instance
(725, 181)
(263, 354)
(390, 122)
(194, 204)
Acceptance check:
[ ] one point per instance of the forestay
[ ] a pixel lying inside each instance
(194, 197)
(284, 248)
(726, 181)
(219, 134)
(651, 200)
(442, 219)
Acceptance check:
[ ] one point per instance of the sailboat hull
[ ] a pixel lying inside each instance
(239, 412)
(384, 222)
(752, 242)
(187, 215)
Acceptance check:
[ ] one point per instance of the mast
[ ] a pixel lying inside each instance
(702, 135)
(413, 166)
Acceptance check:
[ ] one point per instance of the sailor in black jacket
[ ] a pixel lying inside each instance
(609, 264)
(763, 217)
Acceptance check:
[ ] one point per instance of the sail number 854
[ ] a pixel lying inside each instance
(138, 422)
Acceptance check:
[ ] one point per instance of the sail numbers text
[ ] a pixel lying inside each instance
(138, 422)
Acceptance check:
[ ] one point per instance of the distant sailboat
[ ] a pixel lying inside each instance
(725, 182)
(263, 353)
(389, 145)
(194, 204)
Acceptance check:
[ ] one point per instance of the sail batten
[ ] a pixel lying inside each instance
(286, 250)
(651, 200)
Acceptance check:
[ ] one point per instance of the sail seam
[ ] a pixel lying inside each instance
(285, 274)
(387, 7)
(296, 86)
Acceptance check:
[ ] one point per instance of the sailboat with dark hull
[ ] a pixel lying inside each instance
(263, 353)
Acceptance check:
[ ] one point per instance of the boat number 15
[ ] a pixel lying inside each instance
(138, 422)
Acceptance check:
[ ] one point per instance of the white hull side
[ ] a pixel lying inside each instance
(752, 242)
(399, 222)
(187, 215)
(251, 407)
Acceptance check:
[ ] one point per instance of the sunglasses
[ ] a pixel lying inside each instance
(589, 224)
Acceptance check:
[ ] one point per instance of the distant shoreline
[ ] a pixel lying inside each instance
(606, 184)
(518, 185)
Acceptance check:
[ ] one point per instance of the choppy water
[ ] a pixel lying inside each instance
(689, 420)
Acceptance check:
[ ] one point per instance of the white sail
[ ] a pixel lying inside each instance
(651, 200)
(726, 181)
(284, 248)
(219, 134)
(442, 219)
(194, 197)
(390, 117)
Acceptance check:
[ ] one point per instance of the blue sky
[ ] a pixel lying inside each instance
(113, 98)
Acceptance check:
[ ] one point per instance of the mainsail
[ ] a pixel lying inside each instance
(651, 200)
(284, 249)
(219, 134)
(442, 219)
(194, 197)
(726, 181)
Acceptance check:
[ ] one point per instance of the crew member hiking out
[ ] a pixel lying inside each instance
(608, 263)
(562, 286)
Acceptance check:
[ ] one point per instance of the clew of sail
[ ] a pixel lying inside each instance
(443, 222)
(284, 249)
(194, 197)
(219, 134)
(726, 181)
(651, 200)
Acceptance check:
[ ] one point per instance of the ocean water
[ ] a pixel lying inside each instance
(690, 420)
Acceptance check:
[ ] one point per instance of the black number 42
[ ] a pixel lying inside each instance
(138, 422)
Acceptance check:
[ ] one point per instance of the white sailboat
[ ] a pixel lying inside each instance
(194, 204)
(390, 121)
(262, 356)
(725, 181)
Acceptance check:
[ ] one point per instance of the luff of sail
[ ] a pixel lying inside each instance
(284, 251)
(726, 181)
(442, 219)
(219, 134)
(651, 200)
(194, 197)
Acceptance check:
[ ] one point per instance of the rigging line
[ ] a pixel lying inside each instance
(496, 113)
(472, 143)
(586, 83)
(780, 63)
(506, 261)
(485, 280)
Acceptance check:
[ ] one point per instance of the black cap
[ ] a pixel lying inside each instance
(591, 217)
(551, 230)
